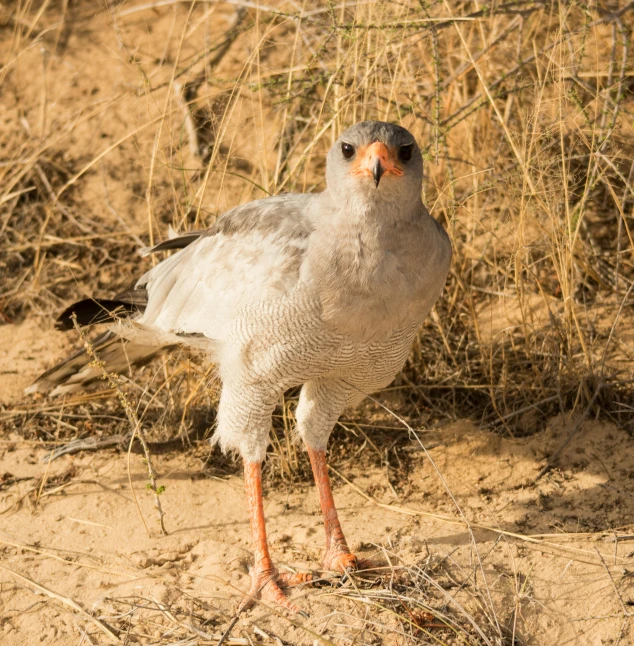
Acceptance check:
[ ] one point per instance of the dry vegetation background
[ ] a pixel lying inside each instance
(121, 119)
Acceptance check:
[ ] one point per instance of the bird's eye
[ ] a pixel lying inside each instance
(347, 150)
(405, 152)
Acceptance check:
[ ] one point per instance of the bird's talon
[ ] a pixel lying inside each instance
(341, 562)
(266, 586)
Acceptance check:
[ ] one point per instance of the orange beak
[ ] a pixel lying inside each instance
(376, 160)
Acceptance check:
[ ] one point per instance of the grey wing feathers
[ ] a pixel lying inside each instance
(285, 215)
(281, 220)
(253, 254)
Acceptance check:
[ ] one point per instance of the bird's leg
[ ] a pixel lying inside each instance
(264, 576)
(338, 557)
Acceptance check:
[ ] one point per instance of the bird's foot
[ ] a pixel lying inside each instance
(267, 585)
(338, 560)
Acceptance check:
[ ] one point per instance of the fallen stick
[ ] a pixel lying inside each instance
(87, 444)
(96, 443)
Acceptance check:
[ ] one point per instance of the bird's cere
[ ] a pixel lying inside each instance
(377, 160)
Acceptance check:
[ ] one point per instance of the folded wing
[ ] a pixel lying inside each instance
(252, 254)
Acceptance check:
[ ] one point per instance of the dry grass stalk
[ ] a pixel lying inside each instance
(137, 430)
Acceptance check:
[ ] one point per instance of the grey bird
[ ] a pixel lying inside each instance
(325, 291)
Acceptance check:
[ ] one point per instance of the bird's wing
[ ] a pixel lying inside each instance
(173, 242)
(252, 254)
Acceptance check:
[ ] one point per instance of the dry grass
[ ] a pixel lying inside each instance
(525, 113)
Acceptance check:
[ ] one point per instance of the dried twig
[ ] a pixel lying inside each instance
(137, 431)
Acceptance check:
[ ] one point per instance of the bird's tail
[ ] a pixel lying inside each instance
(114, 353)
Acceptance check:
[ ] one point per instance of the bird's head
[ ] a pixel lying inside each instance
(375, 161)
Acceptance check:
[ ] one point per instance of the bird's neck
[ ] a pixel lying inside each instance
(355, 266)
(354, 233)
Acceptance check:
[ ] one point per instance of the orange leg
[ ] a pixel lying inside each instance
(338, 557)
(264, 577)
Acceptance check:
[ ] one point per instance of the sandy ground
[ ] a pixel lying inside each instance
(565, 580)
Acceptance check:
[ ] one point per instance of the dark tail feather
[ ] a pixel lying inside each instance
(117, 353)
(91, 311)
(178, 242)
(77, 371)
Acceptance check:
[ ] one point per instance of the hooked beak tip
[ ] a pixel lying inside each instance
(377, 172)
